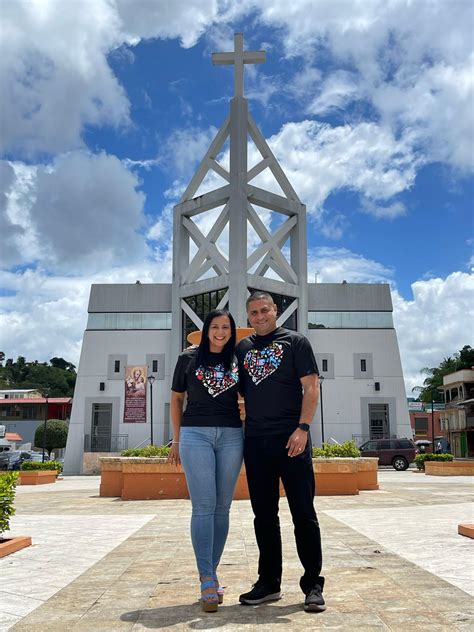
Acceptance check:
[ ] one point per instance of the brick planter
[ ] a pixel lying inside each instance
(335, 476)
(367, 472)
(111, 477)
(11, 545)
(38, 477)
(449, 468)
(138, 478)
(152, 478)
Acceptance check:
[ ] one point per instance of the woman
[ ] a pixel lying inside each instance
(208, 441)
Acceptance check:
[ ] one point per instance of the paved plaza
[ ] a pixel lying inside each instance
(392, 559)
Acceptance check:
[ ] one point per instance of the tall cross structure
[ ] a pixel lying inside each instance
(266, 231)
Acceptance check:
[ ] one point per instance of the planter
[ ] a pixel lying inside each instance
(138, 478)
(335, 476)
(151, 479)
(449, 468)
(111, 477)
(367, 472)
(11, 545)
(37, 477)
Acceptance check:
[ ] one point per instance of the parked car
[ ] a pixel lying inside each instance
(398, 453)
(10, 460)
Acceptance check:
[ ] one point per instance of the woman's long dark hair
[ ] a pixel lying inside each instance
(203, 352)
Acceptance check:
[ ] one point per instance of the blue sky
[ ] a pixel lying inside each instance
(109, 106)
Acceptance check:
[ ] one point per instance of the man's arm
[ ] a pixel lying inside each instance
(297, 441)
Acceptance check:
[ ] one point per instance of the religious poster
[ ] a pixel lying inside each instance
(134, 410)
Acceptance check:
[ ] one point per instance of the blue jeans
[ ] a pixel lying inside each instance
(211, 458)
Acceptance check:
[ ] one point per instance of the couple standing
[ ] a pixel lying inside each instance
(276, 372)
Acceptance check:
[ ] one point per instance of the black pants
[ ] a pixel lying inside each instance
(266, 461)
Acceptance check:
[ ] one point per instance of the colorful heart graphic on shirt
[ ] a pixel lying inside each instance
(216, 379)
(260, 363)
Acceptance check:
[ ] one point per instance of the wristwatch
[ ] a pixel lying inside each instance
(304, 427)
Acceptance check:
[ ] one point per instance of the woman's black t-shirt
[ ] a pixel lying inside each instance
(211, 391)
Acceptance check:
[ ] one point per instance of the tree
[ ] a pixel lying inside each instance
(463, 359)
(56, 435)
(61, 363)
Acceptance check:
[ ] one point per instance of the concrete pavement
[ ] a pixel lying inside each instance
(392, 559)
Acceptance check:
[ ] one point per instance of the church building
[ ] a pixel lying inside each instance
(238, 227)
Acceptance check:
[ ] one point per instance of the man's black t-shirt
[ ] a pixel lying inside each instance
(270, 369)
(211, 391)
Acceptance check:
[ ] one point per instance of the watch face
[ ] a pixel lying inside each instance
(303, 427)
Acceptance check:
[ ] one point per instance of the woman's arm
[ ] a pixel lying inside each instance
(176, 409)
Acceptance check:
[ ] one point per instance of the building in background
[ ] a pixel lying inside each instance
(22, 415)
(458, 421)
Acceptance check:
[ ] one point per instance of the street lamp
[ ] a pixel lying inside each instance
(151, 379)
(321, 380)
(45, 395)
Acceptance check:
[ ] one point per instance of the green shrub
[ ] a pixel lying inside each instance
(421, 458)
(347, 449)
(38, 465)
(147, 451)
(56, 435)
(7, 496)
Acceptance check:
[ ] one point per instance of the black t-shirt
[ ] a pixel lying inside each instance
(270, 369)
(211, 391)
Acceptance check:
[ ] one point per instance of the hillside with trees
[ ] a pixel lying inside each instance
(462, 359)
(58, 375)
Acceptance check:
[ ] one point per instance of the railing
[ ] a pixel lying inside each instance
(106, 443)
(360, 439)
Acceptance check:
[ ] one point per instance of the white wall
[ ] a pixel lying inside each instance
(345, 398)
(96, 348)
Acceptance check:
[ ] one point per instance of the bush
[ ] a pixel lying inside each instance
(147, 451)
(347, 449)
(56, 435)
(38, 465)
(421, 458)
(7, 496)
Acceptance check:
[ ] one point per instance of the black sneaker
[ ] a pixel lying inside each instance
(259, 594)
(314, 601)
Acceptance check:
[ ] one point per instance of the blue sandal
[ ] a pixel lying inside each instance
(219, 590)
(209, 600)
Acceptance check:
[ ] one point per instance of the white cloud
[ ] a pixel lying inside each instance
(434, 324)
(55, 77)
(319, 160)
(81, 212)
(391, 211)
(45, 316)
(183, 19)
(416, 77)
(334, 265)
(336, 91)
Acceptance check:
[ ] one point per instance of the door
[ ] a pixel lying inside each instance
(101, 427)
(379, 426)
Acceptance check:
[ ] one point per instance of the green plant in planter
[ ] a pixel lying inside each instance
(420, 459)
(347, 449)
(7, 496)
(147, 451)
(38, 465)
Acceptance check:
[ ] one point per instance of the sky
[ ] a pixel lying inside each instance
(109, 105)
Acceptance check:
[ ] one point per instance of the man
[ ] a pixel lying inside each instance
(279, 381)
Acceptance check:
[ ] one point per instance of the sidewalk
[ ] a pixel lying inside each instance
(392, 559)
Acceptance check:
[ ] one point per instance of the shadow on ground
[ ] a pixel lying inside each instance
(156, 618)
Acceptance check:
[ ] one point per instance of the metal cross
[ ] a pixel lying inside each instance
(238, 57)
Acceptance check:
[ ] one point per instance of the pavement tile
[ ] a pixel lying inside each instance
(130, 565)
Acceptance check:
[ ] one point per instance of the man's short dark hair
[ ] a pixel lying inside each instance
(258, 296)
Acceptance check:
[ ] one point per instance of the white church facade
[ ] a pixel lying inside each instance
(246, 233)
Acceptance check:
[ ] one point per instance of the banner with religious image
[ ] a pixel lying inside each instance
(134, 410)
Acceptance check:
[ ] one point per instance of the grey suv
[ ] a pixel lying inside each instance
(398, 453)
